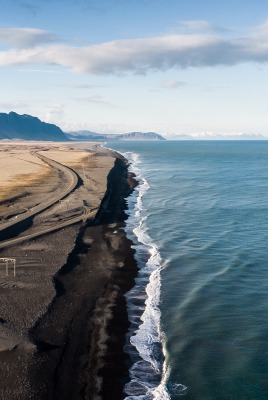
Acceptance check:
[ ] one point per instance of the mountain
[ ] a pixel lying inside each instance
(86, 135)
(229, 136)
(218, 136)
(93, 136)
(26, 127)
(140, 136)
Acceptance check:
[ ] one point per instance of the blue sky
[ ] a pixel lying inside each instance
(171, 66)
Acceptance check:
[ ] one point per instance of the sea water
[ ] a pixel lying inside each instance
(199, 309)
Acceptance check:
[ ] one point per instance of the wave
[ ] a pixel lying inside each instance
(145, 340)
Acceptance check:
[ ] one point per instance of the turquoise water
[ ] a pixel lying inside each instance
(202, 222)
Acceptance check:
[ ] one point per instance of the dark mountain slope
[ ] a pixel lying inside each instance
(15, 126)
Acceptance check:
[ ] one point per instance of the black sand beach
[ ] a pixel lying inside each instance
(73, 350)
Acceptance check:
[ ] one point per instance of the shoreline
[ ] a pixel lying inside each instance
(93, 365)
(85, 359)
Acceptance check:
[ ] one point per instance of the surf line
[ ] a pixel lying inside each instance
(145, 340)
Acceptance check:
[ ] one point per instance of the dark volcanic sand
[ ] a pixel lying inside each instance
(81, 337)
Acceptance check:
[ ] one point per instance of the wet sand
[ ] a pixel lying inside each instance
(63, 318)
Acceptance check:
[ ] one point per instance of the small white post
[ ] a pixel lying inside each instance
(12, 260)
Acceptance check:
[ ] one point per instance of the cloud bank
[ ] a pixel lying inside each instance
(26, 37)
(140, 56)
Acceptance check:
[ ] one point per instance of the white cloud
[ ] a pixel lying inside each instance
(82, 86)
(98, 100)
(202, 25)
(54, 114)
(141, 55)
(261, 31)
(26, 37)
(13, 105)
(38, 70)
(172, 84)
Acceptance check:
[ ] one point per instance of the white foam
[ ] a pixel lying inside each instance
(149, 375)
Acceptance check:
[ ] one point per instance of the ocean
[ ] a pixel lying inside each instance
(199, 310)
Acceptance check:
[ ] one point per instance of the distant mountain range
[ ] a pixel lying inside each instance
(93, 136)
(86, 136)
(218, 136)
(26, 127)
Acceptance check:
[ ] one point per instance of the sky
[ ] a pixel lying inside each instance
(176, 67)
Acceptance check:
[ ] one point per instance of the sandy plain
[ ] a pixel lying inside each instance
(47, 309)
